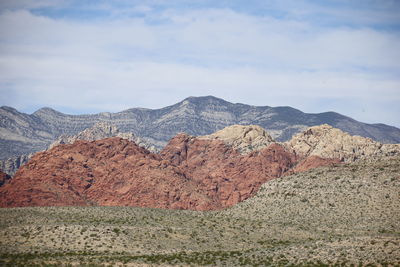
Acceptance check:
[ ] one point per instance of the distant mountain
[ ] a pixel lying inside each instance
(22, 133)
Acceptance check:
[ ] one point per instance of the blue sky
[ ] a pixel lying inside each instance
(93, 56)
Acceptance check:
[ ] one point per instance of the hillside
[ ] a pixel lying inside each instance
(343, 215)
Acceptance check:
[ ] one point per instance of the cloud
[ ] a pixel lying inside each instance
(167, 54)
(28, 4)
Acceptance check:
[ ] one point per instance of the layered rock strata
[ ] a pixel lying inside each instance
(22, 133)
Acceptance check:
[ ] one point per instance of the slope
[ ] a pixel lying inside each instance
(346, 215)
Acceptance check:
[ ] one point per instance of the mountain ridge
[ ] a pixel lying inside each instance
(22, 133)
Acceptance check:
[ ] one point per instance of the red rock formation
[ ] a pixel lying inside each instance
(226, 175)
(314, 162)
(4, 177)
(107, 172)
(190, 173)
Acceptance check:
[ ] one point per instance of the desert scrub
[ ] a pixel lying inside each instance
(363, 227)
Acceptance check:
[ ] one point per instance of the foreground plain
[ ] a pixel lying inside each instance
(340, 215)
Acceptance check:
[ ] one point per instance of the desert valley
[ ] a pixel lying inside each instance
(235, 185)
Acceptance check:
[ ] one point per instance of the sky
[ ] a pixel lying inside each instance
(89, 56)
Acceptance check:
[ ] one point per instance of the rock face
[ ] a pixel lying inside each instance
(98, 131)
(189, 173)
(312, 162)
(4, 178)
(102, 130)
(11, 165)
(108, 172)
(327, 142)
(244, 138)
(199, 173)
(23, 134)
(232, 177)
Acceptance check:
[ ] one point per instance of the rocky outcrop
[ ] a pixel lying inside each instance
(102, 130)
(190, 173)
(199, 173)
(4, 178)
(312, 162)
(327, 142)
(107, 172)
(11, 165)
(98, 131)
(23, 133)
(224, 172)
(244, 138)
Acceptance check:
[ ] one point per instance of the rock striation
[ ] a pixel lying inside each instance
(22, 133)
(330, 143)
(11, 165)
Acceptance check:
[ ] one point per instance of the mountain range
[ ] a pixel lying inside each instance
(200, 173)
(322, 198)
(23, 134)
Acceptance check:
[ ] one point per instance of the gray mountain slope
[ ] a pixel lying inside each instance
(22, 133)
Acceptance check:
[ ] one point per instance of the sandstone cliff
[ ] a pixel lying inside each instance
(189, 173)
(199, 173)
(107, 172)
(98, 131)
(244, 138)
(327, 142)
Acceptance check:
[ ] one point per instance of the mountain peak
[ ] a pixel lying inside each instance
(46, 111)
(205, 99)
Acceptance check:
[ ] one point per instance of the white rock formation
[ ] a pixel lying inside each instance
(328, 142)
(99, 131)
(244, 138)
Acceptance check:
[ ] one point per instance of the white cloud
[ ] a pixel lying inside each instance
(28, 4)
(119, 63)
